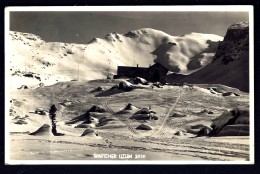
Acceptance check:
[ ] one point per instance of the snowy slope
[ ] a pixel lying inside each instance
(230, 65)
(49, 62)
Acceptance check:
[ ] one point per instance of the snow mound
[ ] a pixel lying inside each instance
(43, 130)
(130, 106)
(90, 133)
(233, 122)
(235, 130)
(145, 127)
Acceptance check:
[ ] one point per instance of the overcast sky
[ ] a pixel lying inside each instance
(81, 27)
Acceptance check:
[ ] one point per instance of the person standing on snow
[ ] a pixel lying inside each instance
(52, 114)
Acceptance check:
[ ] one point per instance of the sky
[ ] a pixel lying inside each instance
(81, 27)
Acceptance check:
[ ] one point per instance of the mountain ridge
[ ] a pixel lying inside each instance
(57, 61)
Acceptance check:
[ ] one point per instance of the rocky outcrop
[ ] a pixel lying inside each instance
(237, 32)
(235, 42)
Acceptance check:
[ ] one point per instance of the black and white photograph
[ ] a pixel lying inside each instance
(129, 85)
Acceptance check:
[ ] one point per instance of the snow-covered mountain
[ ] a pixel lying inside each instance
(34, 61)
(230, 65)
